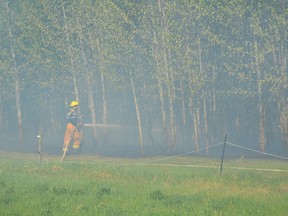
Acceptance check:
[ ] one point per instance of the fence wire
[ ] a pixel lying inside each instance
(151, 162)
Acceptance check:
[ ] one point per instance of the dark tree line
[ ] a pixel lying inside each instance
(175, 75)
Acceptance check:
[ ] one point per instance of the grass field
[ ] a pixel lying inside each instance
(93, 185)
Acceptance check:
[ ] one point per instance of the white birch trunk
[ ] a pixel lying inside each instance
(138, 117)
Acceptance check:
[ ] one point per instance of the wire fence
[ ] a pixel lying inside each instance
(166, 160)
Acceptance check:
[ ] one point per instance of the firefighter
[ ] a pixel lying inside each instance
(72, 133)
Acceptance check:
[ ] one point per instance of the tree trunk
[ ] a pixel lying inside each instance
(170, 83)
(283, 107)
(104, 100)
(262, 140)
(183, 108)
(90, 97)
(19, 112)
(76, 88)
(92, 110)
(138, 116)
(280, 63)
(214, 90)
(71, 63)
(147, 108)
(71, 60)
(206, 124)
(15, 72)
(282, 104)
(183, 104)
(195, 137)
(156, 55)
(163, 114)
(150, 127)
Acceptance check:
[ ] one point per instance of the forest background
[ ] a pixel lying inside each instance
(155, 76)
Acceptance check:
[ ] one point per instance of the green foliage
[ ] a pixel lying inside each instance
(225, 51)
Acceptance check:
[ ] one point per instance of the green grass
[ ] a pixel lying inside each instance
(118, 186)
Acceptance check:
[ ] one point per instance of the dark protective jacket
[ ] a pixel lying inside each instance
(73, 117)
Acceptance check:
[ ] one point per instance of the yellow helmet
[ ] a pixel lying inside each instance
(74, 104)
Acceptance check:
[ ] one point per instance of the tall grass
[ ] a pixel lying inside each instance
(126, 187)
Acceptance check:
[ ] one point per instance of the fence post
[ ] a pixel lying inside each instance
(221, 167)
(39, 136)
